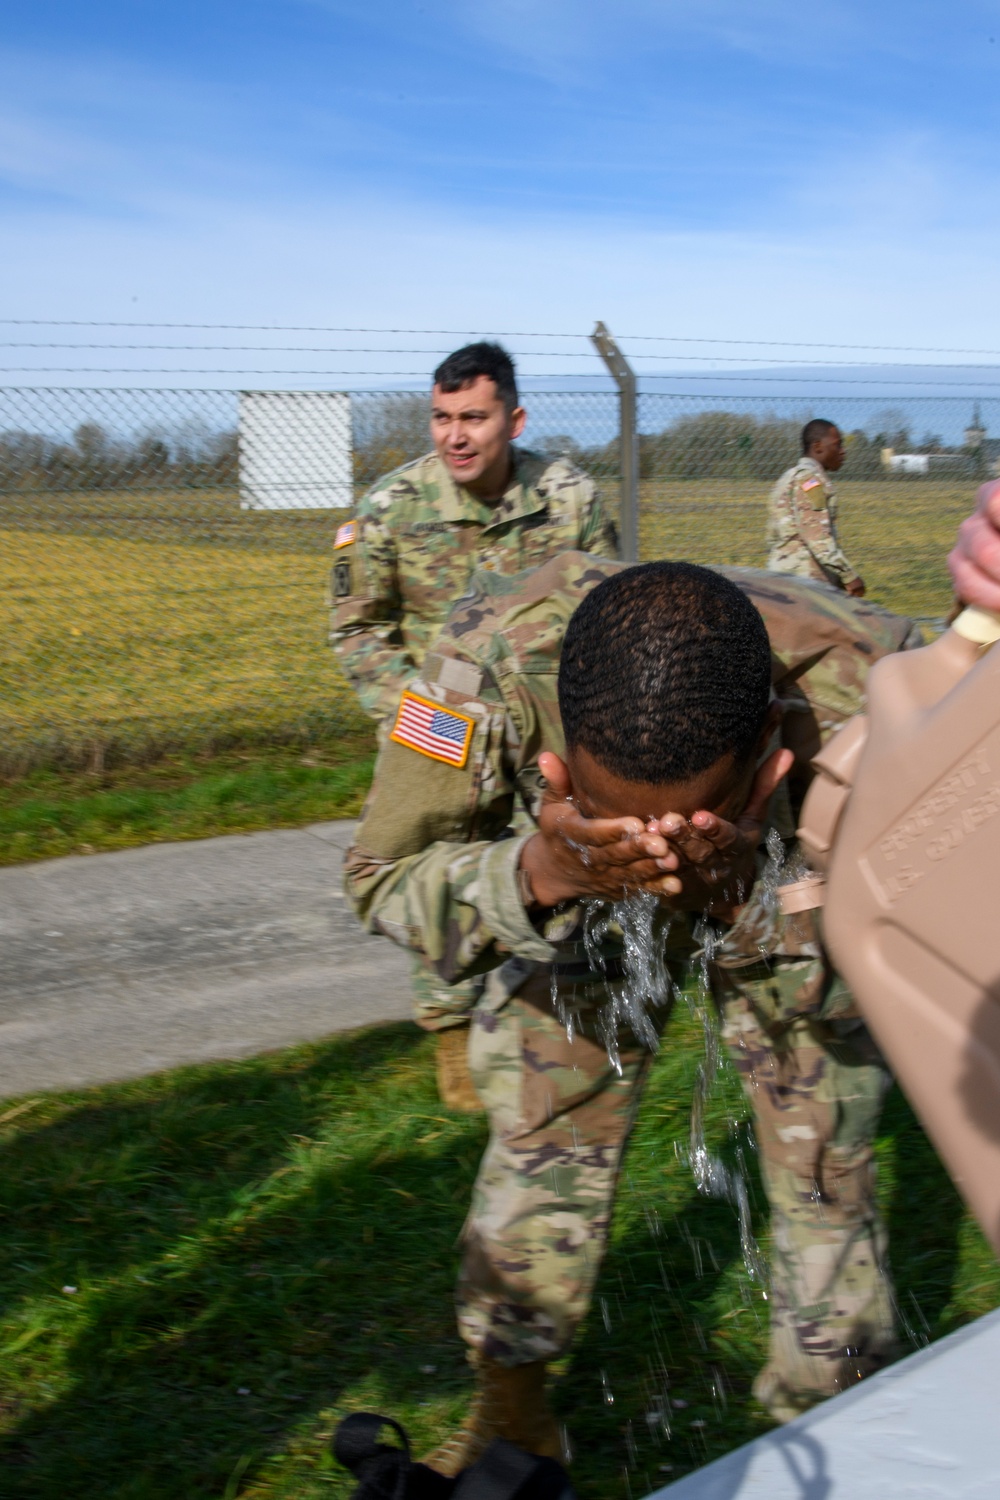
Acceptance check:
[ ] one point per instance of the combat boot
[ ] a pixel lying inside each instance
(509, 1402)
(454, 1080)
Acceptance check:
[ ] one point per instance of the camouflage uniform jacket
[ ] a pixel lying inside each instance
(434, 865)
(802, 526)
(416, 538)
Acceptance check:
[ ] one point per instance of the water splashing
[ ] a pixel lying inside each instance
(712, 1176)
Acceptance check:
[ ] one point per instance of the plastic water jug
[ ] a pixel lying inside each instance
(904, 814)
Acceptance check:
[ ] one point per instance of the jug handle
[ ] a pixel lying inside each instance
(980, 626)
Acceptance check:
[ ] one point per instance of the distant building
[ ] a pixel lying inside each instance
(924, 463)
(975, 433)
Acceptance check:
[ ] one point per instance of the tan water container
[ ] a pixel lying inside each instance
(913, 898)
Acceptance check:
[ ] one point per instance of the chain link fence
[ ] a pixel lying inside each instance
(164, 553)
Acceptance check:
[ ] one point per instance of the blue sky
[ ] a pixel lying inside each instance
(718, 168)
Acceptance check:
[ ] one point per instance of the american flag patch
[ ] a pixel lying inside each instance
(346, 534)
(438, 732)
(807, 484)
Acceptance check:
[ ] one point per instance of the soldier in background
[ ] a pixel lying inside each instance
(669, 681)
(802, 520)
(476, 501)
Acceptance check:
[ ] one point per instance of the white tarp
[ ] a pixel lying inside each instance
(295, 450)
(924, 1429)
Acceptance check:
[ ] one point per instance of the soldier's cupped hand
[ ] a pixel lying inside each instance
(574, 856)
(711, 865)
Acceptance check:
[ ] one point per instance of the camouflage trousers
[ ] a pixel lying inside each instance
(816, 1089)
(560, 1117)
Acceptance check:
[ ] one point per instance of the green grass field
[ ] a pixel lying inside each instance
(136, 625)
(47, 813)
(202, 1271)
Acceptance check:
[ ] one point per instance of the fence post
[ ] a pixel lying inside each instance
(623, 376)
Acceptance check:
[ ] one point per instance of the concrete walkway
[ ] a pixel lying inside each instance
(113, 965)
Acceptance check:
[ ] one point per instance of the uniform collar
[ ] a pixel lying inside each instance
(520, 498)
(812, 463)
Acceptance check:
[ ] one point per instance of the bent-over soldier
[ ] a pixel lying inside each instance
(645, 720)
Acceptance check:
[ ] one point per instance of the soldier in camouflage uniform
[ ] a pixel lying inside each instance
(475, 502)
(802, 521)
(558, 1050)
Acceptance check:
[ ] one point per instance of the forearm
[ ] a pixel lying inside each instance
(375, 664)
(818, 534)
(458, 905)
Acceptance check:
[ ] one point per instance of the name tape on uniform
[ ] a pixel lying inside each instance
(433, 730)
(346, 534)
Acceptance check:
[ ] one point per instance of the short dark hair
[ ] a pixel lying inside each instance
(666, 668)
(815, 431)
(466, 365)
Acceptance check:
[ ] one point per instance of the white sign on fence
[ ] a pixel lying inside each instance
(295, 450)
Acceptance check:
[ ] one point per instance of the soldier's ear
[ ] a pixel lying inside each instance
(518, 418)
(772, 723)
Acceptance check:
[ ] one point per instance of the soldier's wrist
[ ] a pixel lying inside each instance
(537, 886)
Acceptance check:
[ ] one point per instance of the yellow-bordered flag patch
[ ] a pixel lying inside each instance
(433, 729)
(346, 534)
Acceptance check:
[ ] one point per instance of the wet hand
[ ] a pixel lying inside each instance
(713, 867)
(975, 559)
(573, 857)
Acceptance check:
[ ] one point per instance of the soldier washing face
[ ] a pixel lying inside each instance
(630, 715)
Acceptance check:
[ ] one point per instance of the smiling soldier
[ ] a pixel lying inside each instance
(476, 501)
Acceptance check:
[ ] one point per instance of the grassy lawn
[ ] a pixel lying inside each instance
(165, 633)
(898, 535)
(203, 1270)
(47, 813)
(137, 624)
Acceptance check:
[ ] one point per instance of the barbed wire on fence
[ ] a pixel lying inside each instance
(660, 338)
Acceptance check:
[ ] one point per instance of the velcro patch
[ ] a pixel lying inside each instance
(432, 730)
(346, 534)
(810, 484)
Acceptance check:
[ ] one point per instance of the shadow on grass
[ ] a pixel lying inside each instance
(239, 1260)
(256, 1247)
(924, 1216)
(676, 1319)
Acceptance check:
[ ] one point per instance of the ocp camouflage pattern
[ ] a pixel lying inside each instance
(434, 867)
(802, 526)
(418, 537)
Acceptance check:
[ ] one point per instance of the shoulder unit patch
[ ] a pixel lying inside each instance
(433, 730)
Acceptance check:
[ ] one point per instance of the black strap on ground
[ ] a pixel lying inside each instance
(508, 1473)
(382, 1468)
(386, 1472)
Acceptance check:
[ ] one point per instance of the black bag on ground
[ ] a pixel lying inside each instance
(387, 1472)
